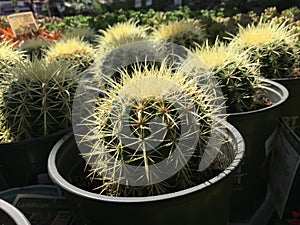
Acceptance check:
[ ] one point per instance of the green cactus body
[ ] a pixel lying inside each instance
(74, 51)
(142, 123)
(187, 33)
(119, 34)
(236, 74)
(270, 45)
(38, 99)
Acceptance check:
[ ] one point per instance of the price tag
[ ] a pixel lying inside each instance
(22, 23)
(284, 162)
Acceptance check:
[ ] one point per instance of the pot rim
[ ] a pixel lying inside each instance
(17, 216)
(283, 94)
(34, 139)
(61, 182)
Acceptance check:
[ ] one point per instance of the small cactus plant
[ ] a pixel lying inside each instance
(37, 100)
(145, 121)
(271, 45)
(187, 33)
(74, 51)
(237, 75)
(120, 34)
(9, 56)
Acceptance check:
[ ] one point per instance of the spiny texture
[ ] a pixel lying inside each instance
(120, 34)
(5, 136)
(9, 56)
(236, 74)
(149, 132)
(272, 46)
(74, 51)
(187, 33)
(38, 99)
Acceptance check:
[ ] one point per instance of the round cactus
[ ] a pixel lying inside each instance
(120, 34)
(237, 75)
(38, 99)
(147, 135)
(76, 52)
(9, 56)
(271, 45)
(187, 33)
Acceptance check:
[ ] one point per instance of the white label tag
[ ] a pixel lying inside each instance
(284, 163)
(138, 3)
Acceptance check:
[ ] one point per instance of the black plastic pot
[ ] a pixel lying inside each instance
(22, 162)
(10, 215)
(256, 126)
(206, 203)
(290, 110)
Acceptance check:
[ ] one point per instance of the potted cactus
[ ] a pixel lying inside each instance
(253, 105)
(276, 48)
(35, 111)
(119, 34)
(10, 215)
(155, 143)
(73, 50)
(188, 33)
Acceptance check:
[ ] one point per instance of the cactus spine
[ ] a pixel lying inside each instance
(271, 45)
(187, 33)
(141, 123)
(120, 34)
(9, 56)
(74, 51)
(38, 99)
(237, 75)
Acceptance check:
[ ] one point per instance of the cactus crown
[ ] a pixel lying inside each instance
(148, 119)
(187, 33)
(76, 52)
(38, 99)
(120, 34)
(271, 45)
(237, 75)
(34, 47)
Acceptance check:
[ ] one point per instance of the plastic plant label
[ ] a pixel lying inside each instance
(148, 2)
(284, 162)
(22, 23)
(138, 3)
(43, 209)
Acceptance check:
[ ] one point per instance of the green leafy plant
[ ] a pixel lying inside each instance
(37, 100)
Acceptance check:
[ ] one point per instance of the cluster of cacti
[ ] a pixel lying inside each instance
(9, 56)
(120, 34)
(188, 33)
(271, 45)
(236, 74)
(148, 134)
(38, 98)
(76, 52)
